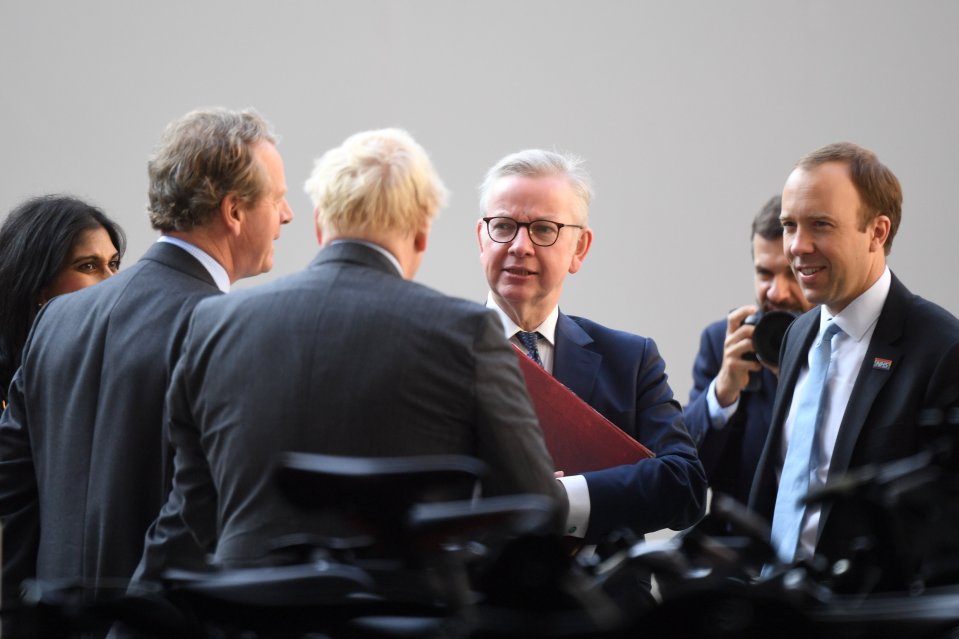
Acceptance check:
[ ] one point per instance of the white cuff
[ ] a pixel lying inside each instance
(577, 493)
(718, 415)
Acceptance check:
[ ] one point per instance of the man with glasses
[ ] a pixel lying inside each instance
(534, 231)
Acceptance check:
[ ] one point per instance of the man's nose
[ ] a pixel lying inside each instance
(522, 244)
(798, 243)
(286, 213)
(779, 289)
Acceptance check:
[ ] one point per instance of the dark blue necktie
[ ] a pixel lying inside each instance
(794, 482)
(529, 341)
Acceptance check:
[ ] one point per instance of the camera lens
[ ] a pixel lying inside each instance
(769, 333)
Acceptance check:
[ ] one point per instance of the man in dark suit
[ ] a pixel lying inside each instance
(360, 362)
(731, 402)
(84, 459)
(892, 356)
(535, 231)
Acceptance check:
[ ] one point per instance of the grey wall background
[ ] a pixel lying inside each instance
(689, 113)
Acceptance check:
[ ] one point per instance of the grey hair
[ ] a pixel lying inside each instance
(539, 163)
(200, 159)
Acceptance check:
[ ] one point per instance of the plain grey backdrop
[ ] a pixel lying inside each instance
(690, 115)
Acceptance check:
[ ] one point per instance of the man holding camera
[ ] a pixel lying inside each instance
(730, 405)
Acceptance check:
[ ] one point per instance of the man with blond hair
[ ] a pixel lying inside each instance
(347, 357)
(84, 461)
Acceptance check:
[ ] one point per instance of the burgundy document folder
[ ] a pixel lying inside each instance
(578, 438)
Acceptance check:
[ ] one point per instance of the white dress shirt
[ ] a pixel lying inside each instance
(858, 322)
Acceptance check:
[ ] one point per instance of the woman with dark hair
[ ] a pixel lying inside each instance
(49, 245)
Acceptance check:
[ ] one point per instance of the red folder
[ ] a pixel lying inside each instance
(578, 438)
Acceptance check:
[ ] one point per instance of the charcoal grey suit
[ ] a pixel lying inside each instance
(84, 466)
(344, 358)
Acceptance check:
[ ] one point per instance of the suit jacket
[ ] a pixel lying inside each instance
(623, 377)
(879, 424)
(359, 362)
(729, 454)
(84, 464)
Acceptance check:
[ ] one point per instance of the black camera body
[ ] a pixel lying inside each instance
(768, 335)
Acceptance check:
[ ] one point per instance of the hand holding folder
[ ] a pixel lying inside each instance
(578, 438)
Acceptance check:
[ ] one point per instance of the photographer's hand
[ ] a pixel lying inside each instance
(734, 373)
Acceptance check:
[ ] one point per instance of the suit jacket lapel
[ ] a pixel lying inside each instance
(574, 364)
(869, 382)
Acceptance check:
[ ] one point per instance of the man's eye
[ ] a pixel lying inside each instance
(504, 225)
(114, 265)
(87, 267)
(544, 230)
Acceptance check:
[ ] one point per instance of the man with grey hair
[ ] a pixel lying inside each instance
(371, 364)
(84, 460)
(534, 232)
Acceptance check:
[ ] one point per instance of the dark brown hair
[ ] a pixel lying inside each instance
(878, 187)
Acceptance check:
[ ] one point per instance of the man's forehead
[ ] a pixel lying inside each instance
(550, 194)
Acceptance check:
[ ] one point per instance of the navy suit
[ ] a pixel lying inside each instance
(729, 454)
(921, 340)
(623, 377)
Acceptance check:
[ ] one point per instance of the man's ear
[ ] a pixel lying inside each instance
(421, 237)
(420, 241)
(231, 213)
(879, 230)
(479, 233)
(583, 243)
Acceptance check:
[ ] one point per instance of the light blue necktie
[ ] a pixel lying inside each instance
(529, 341)
(794, 482)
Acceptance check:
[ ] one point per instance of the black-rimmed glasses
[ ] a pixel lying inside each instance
(541, 232)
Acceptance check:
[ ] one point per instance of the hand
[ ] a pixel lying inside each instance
(734, 371)
(559, 474)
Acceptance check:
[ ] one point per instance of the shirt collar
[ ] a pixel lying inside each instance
(863, 312)
(214, 268)
(376, 247)
(547, 329)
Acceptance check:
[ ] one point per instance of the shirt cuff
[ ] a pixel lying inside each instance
(718, 415)
(577, 493)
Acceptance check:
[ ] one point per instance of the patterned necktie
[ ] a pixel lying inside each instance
(794, 482)
(529, 341)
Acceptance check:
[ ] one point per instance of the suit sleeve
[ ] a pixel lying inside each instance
(710, 441)
(667, 491)
(508, 434)
(185, 529)
(19, 507)
(705, 369)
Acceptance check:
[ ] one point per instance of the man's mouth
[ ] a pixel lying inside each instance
(516, 270)
(809, 270)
